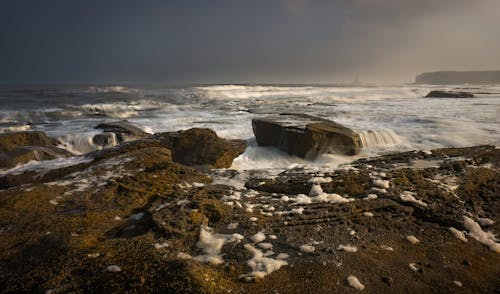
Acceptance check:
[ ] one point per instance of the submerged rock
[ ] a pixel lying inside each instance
(305, 135)
(449, 94)
(123, 130)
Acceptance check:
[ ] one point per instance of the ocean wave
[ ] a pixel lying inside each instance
(109, 110)
(309, 93)
(42, 116)
(109, 89)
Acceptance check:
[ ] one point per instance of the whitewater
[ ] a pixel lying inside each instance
(390, 118)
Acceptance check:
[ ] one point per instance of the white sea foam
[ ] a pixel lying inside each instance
(475, 231)
(211, 243)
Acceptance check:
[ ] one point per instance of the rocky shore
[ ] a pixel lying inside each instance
(159, 214)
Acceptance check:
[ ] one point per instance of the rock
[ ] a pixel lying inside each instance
(105, 139)
(194, 147)
(10, 141)
(305, 135)
(449, 94)
(201, 147)
(21, 155)
(66, 221)
(130, 197)
(124, 131)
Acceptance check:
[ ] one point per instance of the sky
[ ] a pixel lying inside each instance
(237, 41)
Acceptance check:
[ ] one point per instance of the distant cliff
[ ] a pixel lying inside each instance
(459, 77)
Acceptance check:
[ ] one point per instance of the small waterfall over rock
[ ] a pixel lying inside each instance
(384, 138)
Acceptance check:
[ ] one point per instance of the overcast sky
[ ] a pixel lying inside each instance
(236, 41)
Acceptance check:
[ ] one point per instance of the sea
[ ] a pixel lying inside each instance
(390, 118)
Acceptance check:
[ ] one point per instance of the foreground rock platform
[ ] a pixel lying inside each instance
(305, 136)
(135, 221)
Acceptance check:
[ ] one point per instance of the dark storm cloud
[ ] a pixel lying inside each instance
(96, 41)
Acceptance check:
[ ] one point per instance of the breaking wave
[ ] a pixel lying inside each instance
(109, 89)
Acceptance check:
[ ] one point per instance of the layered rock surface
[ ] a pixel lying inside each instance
(133, 220)
(305, 135)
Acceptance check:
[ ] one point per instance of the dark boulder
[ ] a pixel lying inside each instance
(20, 155)
(124, 131)
(10, 141)
(449, 94)
(305, 135)
(105, 139)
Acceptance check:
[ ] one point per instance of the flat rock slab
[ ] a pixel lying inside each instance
(305, 135)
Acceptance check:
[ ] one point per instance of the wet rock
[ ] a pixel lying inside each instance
(105, 139)
(21, 155)
(305, 135)
(201, 147)
(449, 94)
(124, 131)
(10, 141)
(194, 147)
(65, 220)
(136, 199)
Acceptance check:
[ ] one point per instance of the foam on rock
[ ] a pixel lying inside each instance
(211, 244)
(260, 264)
(412, 239)
(347, 248)
(407, 196)
(258, 237)
(355, 283)
(113, 268)
(316, 195)
(458, 234)
(413, 267)
(386, 247)
(383, 184)
(319, 180)
(307, 248)
(475, 231)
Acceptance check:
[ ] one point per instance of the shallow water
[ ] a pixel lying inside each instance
(389, 118)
